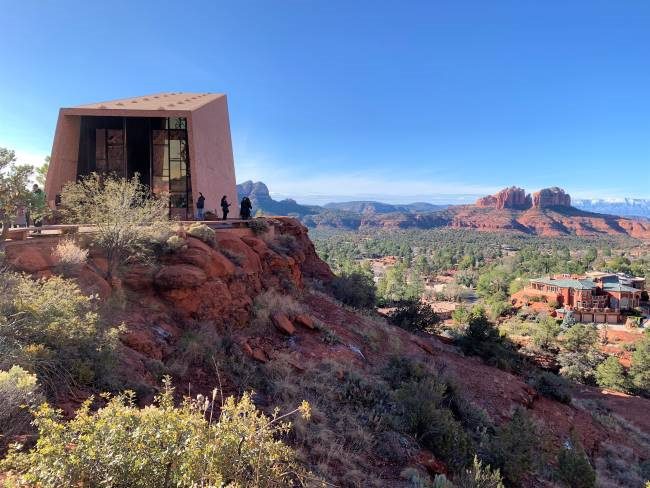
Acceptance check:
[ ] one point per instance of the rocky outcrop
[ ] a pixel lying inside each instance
(551, 197)
(200, 282)
(513, 197)
(261, 199)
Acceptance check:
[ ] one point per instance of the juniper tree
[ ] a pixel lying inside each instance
(14, 193)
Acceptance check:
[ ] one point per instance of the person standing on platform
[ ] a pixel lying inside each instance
(224, 207)
(200, 206)
(246, 208)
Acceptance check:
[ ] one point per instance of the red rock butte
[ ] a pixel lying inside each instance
(513, 197)
(517, 198)
(179, 143)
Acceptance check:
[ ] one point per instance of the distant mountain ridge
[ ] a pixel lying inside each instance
(372, 207)
(628, 207)
(547, 212)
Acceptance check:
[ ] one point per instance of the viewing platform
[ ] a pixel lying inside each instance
(28, 233)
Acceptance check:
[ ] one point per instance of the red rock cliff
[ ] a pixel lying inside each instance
(551, 197)
(513, 197)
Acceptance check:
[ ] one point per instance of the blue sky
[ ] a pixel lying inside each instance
(394, 100)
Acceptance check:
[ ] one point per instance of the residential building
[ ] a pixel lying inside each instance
(595, 297)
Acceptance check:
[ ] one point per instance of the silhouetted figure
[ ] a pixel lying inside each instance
(224, 207)
(200, 205)
(246, 208)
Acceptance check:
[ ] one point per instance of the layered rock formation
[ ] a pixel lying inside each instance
(551, 197)
(201, 282)
(547, 212)
(513, 197)
(517, 198)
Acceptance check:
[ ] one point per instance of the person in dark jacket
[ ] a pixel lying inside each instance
(246, 208)
(224, 206)
(200, 206)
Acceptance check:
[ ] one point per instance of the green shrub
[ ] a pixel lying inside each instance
(551, 386)
(546, 332)
(400, 370)
(618, 465)
(50, 327)
(498, 307)
(415, 478)
(414, 316)
(461, 315)
(283, 244)
(481, 338)
(433, 425)
(18, 392)
(271, 302)
(581, 338)
(611, 374)
(258, 226)
(640, 368)
(573, 467)
(479, 476)
(515, 447)
(474, 419)
(356, 289)
(202, 232)
(158, 446)
(330, 337)
(175, 243)
(580, 366)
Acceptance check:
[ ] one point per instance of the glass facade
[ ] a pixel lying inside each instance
(170, 164)
(155, 148)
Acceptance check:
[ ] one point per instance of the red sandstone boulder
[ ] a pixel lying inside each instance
(305, 320)
(212, 262)
(29, 259)
(246, 258)
(304, 253)
(142, 342)
(179, 276)
(138, 277)
(283, 324)
(260, 355)
(258, 245)
(210, 301)
(91, 283)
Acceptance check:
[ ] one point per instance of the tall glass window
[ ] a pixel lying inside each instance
(155, 148)
(170, 165)
(109, 151)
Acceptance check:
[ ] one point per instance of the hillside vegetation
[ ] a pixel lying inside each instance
(212, 342)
